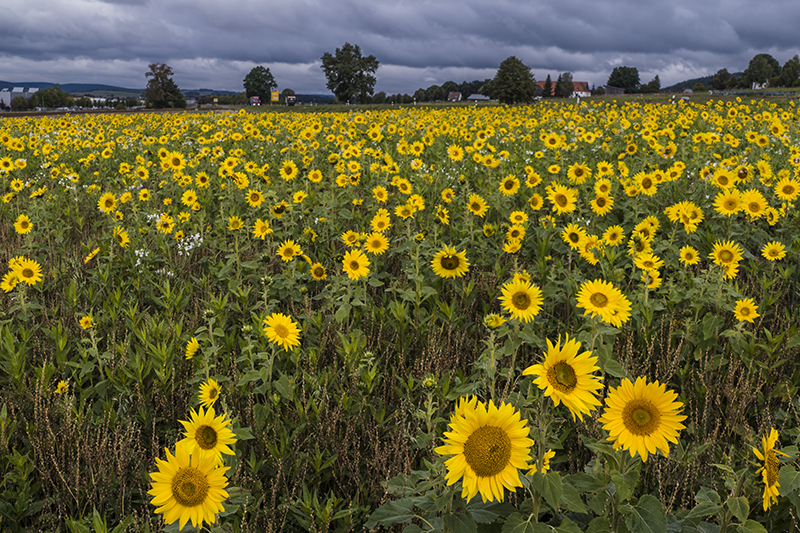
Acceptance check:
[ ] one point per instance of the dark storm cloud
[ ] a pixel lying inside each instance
(419, 43)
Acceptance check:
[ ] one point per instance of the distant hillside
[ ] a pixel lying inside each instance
(689, 84)
(99, 89)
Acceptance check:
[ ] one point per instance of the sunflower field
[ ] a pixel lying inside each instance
(562, 317)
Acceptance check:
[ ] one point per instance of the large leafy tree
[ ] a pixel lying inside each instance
(761, 69)
(350, 75)
(625, 78)
(260, 82)
(514, 82)
(162, 91)
(790, 73)
(564, 85)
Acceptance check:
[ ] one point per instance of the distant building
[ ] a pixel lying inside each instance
(614, 90)
(579, 88)
(454, 96)
(6, 96)
(477, 98)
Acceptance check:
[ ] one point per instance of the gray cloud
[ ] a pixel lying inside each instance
(214, 44)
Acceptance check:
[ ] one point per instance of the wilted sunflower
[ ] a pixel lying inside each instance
(521, 299)
(186, 487)
(282, 330)
(450, 263)
(488, 444)
(566, 376)
(208, 435)
(355, 264)
(769, 472)
(603, 299)
(746, 310)
(208, 393)
(641, 417)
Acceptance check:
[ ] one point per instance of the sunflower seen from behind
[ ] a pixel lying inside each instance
(642, 417)
(567, 376)
(450, 263)
(188, 488)
(521, 299)
(769, 472)
(488, 445)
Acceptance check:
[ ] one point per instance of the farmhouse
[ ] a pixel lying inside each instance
(579, 88)
(454, 96)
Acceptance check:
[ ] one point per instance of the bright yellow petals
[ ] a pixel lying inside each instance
(746, 310)
(600, 298)
(355, 264)
(450, 263)
(282, 330)
(521, 299)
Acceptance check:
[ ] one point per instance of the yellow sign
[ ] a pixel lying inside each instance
(274, 95)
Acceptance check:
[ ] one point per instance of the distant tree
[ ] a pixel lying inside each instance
(790, 73)
(83, 101)
(434, 93)
(350, 75)
(379, 98)
(4, 106)
(488, 89)
(53, 96)
(625, 78)
(468, 88)
(547, 91)
(762, 68)
(406, 99)
(162, 91)
(131, 102)
(699, 88)
(260, 82)
(722, 80)
(564, 86)
(420, 95)
(19, 104)
(449, 87)
(653, 86)
(598, 91)
(514, 83)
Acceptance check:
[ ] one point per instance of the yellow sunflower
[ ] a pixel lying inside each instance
(566, 376)
(641, 417)
(573, 234)
(318, 272)
(521, 299)
(726, 253)
(288, 250)
(376, 243)
(509, 186)
(602, 205)
(614, 235)
(86, 322)
(186, 487)
(603, 299)
(769, 472)
(23, 225)
(728, 202)
(191, 347)
(208, 393)
(488, 444)
(208, 435)
(563, 199)
(28, 271)
(450, 263)
(773, 251)
(477, 205)
(282, 330)
(689, 256)
(746, 310)
(355, 264)
(261, 229)
(787, 189)
(107, 203)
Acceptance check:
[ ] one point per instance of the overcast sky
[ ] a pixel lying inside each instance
(214, 43)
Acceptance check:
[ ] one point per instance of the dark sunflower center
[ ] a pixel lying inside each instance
(561, 377)
(771, 464)
(601, 201)
(599, 299)
(508, 185)
(641, 417)
(213, 393)
(27, 273)
(561, 200)
(742, 174)
(754, 207)
(722, 180)
(354, 265)
(647, 183)
(788, 190)
(279, 210)
(450, 262)
(744, 311)
(206, 437)
(574, 237)
(189, 487)
(319, 272)
(578, 172)
(730, 204)
(726, 256)
(521, 301)
(488, 451)
(475, 206)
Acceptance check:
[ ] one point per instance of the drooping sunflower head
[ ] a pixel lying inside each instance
(209, 393)
(769, 472)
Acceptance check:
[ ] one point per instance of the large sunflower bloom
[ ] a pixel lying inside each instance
(602, 298)
(522, 300)
(488, 445)
(566, 376)
(208, 435)
(282, 330)
(187, 487)
(450, 263)
(355, 264)
(769, 472)
(28, 271)
(208, 393)
(563, 199)
(641, 417)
